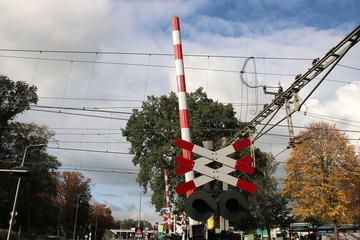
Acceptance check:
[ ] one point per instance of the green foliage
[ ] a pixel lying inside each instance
(15, 97)
(152, 131)
(35, 210)
(131, 223)
(268, 207)
(34, 202)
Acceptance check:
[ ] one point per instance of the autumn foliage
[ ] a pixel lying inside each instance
(101, 218)
(323, 173)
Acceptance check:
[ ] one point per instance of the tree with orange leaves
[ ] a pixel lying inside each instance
(101, 219)
(323, 173)
(72, 200)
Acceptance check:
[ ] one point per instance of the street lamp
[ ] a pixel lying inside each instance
(76, 213)
(17, 188)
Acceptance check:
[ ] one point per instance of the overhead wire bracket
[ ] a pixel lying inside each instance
(328, 62)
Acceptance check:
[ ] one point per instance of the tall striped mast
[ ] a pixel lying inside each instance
(181, 90)
(168, 214)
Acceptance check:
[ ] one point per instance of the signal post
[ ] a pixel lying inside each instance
(200, 205)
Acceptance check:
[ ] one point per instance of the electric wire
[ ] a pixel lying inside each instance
(89, 150)
(147, 77)
(79, 109)
(158, 54)
(63, 95)
(91, 78)
(85, 169)
(78, 114)
(171, 66)
(146, 54)
(187, 68)
(148, 65)
(36, 67)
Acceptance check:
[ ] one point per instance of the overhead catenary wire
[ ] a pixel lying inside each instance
(89, 150)
(170, 66)
(64, 91)
(155, 54)
(341, 121)
(79, 114)
(79, 109)
(146, 54)
(36, 67)
(330, 60)
(86, 169)
(194, 56)
(194, 69)
(91, 78)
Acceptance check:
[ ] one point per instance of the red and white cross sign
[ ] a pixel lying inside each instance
(210, 174)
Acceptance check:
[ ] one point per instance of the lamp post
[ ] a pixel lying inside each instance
(139, 225)
(76, 213)
(17, 188)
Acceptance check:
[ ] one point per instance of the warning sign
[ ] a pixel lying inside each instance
(138, 233)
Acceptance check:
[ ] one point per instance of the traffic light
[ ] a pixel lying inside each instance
(200, 205)
(232, 205)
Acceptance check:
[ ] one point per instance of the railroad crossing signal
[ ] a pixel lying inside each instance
(210, 174)
(200, 205)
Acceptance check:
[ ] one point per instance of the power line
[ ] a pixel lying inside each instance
(171, 66)
(158, 54)
(147, 54)
(79, 109)
(93, 99)
(89, 150)
(78, 114)
(82, 169)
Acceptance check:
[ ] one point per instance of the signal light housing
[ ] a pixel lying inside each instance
(232, 205)
(200, 205)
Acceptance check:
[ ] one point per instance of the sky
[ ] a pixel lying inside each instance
(95, 61)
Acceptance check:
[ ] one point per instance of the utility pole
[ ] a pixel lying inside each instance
(211, 221)
(76, 213)
(11, 222)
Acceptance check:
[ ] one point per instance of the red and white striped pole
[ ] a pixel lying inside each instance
(181, 89)
(168, 201)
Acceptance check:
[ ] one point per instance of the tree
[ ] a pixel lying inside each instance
(153, 129)
(320, 177)
(15, 97)
(267, 206)
(34, 201)
(101, 219)
(72, 199)
(131, 223)
(34, 205)
(126, 223)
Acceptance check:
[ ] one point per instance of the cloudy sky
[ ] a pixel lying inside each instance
(94, 61)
